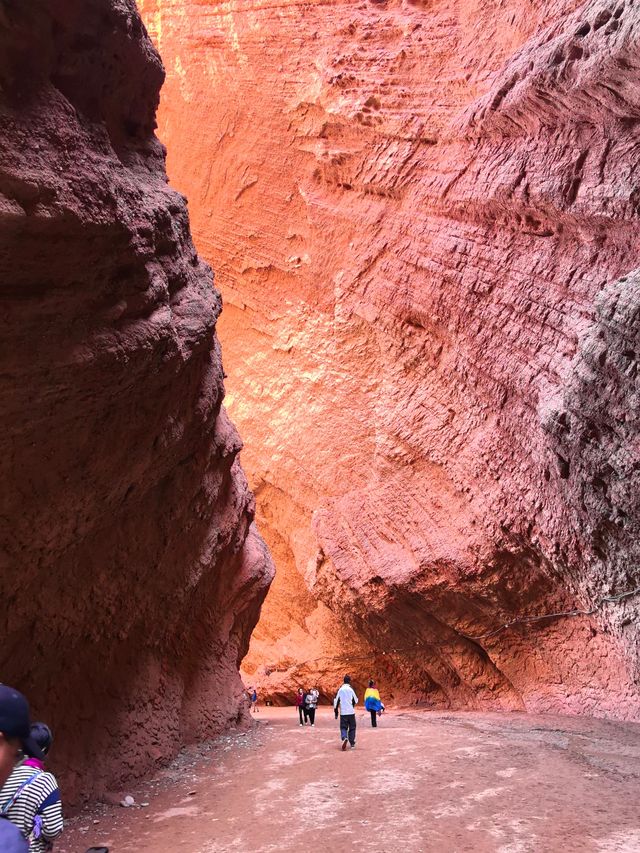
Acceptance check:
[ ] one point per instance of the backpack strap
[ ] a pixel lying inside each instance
(12, 800)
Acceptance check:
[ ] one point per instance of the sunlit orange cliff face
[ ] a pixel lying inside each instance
(423, 220)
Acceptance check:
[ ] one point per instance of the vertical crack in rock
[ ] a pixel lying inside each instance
(132, 575)
(424, 221)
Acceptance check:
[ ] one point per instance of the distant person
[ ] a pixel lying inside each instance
(31, 798)
(15, 740)
(372, 702)
(346, 700)
(254, 700)
(311, 703)
(300, 696)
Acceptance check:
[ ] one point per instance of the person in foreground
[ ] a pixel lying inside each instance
(347, 700)
(15, 742)
(372, 702)
(30, 797)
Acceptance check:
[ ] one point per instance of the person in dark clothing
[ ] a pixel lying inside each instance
(254, 700)
(300, 696)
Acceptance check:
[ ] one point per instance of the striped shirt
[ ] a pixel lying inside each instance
(40, 797)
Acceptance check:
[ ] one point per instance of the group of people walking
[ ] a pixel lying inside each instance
(344, 706)
(30, 806)
(306, 703)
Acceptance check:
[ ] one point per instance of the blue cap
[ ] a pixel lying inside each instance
(14, 720)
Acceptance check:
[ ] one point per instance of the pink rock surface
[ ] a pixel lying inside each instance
(424, 220)
(131, 574)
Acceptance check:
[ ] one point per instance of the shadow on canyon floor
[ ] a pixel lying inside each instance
(422, 781)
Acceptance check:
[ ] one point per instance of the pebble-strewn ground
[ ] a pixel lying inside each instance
(447, 783)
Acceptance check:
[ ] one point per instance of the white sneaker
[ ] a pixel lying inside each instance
(312, 725)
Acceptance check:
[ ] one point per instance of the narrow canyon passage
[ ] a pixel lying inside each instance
(423, 221)
(419, 783)
(320, 353)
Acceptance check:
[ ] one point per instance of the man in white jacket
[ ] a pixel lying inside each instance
(347, 700)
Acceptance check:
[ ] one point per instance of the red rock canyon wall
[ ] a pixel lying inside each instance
(131, 573)
(424, 220)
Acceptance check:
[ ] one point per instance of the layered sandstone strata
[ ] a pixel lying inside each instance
(424, 217)
(131, 573)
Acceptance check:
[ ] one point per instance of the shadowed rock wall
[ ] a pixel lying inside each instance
(131, 574)
(424, 217)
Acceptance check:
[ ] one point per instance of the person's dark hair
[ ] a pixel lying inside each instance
(41, 734)
(371, 682)
(347, 679)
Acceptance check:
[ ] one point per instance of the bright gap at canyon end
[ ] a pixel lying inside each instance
(320, 356)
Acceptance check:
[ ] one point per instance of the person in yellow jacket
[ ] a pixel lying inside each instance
(372, 702)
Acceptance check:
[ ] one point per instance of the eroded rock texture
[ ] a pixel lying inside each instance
(424, 217)
(131, 573)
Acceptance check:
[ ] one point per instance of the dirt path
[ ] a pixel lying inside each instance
(484, 783)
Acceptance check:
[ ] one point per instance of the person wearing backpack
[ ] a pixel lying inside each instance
(30, 797)
(15, 740)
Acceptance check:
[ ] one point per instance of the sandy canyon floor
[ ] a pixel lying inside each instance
(421, 781)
